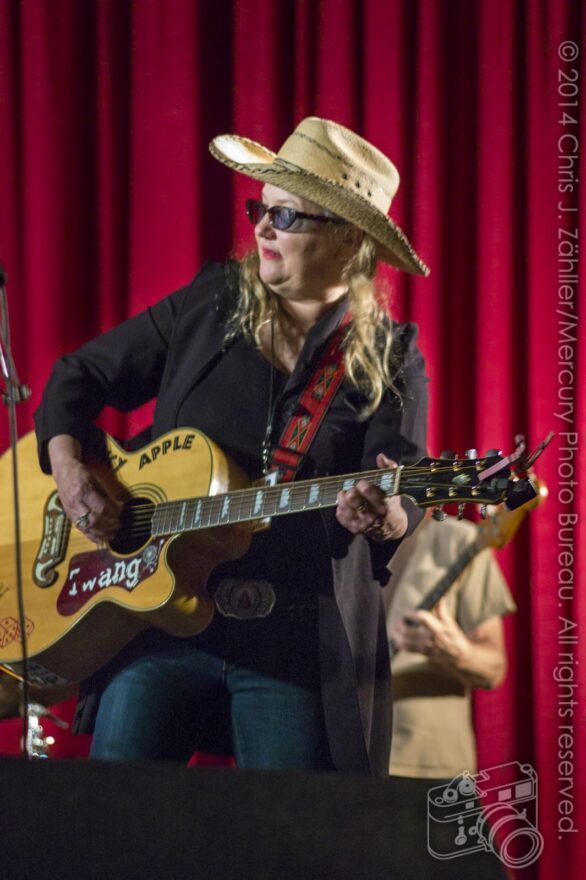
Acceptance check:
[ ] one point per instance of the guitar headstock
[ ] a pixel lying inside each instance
(502, 526)
(433, 482)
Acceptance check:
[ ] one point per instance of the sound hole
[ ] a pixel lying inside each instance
(135, 526)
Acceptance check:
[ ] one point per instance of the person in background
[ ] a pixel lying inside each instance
(440, 657)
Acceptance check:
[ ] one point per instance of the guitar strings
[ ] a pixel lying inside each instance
(300, 487)
(141, 515)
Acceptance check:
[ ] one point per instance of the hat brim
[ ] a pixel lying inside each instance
(252, 159)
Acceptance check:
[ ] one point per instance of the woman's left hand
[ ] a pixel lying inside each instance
(365, 510)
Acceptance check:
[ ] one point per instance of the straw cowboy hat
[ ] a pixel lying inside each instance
(338, 170)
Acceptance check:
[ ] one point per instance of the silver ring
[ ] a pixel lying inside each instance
(83, 521)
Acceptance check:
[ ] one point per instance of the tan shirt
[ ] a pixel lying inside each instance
(433, 737)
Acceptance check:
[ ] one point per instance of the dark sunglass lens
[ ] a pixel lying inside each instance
(283, 218)
(255, 210)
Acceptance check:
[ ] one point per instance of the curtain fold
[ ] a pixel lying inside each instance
(109, 199)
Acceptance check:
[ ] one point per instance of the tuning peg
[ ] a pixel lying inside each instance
(471, 453)
(439, 514)
(460, 513)
(448, 455)
(492, 453)
(483, 511)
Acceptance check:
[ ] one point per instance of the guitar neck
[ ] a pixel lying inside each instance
(451, 575)
(258, 502)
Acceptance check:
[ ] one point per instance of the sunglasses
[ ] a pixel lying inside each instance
(281, 217)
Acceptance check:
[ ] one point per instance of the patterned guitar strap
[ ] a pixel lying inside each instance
(289, 453)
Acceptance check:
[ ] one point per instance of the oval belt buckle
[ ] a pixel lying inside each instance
(244, 599)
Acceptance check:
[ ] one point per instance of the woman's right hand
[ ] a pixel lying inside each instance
(82, 496)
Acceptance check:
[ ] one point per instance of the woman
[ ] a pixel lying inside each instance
(305, 685)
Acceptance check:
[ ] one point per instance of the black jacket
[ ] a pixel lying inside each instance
(164, 352)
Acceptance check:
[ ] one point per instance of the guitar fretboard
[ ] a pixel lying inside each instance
(453, 572)
(258, 502)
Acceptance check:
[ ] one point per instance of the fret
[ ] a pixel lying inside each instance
(251, 506)
(188, 519)
(159, 524)
(255, 505)
(300, 498)
(211, 511)
(298, 501)
(195, 509)
(166, 520)
(169, 518)
(328, 496)
(239, 505)
(225, 512)
(284, 496)
(269, 506)
(196, 515)
(178, 515)
(258, 502)
(214, 509)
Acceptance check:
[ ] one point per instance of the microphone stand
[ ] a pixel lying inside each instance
(15, 393)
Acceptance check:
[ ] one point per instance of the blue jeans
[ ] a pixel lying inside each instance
(161, 704)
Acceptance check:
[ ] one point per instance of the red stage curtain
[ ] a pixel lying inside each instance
(109, 199)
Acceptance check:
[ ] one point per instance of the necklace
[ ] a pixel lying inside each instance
(272, 408)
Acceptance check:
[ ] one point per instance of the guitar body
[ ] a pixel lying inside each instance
(84, 603)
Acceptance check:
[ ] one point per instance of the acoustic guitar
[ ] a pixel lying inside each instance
(187, 508)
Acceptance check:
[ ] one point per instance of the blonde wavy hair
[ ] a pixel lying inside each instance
(368, 343)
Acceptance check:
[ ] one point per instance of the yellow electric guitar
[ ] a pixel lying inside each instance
(187, 508)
